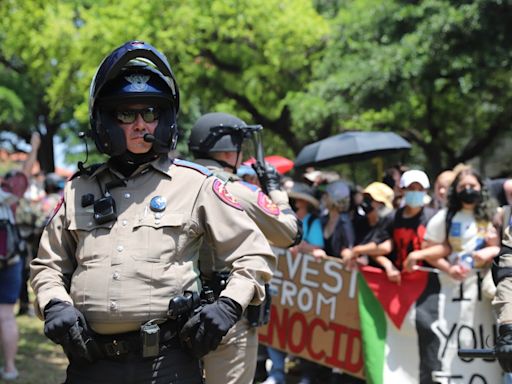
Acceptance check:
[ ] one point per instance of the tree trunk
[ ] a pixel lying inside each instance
(45, 155)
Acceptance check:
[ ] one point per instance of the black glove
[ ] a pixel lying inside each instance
(503, 349)
(66, 325)
(270, 179)
(204, 331)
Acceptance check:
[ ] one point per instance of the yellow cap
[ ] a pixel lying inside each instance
(380, 192)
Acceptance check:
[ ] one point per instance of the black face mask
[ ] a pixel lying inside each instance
(366, 205)
(469, 196)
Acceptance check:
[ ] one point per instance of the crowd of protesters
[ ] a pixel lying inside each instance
(400, 223)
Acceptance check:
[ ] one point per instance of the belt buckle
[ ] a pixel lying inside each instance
(116, 348)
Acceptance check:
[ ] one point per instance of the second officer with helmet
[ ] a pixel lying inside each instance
(216, 142)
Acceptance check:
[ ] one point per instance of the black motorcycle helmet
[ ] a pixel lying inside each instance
(133, 73)
(216, 132)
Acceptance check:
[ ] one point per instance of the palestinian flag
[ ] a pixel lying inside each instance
(411, 332)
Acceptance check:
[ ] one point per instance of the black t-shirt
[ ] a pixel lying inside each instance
(342, 237)
(365, 233)
(407, 234)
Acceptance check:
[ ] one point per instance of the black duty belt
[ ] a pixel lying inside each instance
(128, 344)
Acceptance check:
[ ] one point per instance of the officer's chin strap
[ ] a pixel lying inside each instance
(225, 164)
(236, 160)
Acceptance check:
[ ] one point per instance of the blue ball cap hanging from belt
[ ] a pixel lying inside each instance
(158, 204)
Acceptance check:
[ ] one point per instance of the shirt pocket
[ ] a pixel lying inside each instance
(161, 237)
(93, 239)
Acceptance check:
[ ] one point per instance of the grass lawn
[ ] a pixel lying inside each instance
(39, 361)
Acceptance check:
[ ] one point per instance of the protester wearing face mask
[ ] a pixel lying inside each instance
(336, 224)
(370, 227)
(407, 228)
(461, 236)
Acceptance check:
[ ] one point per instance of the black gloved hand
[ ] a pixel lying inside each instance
(204, 331)
(66, 325)
(503, 349)
(270, 179)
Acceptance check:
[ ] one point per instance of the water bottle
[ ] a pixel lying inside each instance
(466, 260)
(480, 243)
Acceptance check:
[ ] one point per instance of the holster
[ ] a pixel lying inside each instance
(216, 283)
(258, 315)
(79, 345)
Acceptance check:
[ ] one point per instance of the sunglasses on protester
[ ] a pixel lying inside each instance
(128, 116)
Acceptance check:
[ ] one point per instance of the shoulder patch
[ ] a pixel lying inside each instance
(252, 187)
(220, 190)
(55, 210)
(197, 167)
(267, 205)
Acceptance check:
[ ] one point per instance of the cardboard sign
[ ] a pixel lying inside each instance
(314, 312)
(315, 315)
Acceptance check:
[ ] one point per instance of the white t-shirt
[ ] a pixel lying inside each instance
(466, 233)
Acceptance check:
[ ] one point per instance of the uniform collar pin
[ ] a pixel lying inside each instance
(158, 204)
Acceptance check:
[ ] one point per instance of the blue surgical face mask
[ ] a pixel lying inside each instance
(414, 199)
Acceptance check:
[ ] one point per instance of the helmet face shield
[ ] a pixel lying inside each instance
(219, 132)
(135, 73)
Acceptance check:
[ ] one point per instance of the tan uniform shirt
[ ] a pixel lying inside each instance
(274, 216)
(123, 273)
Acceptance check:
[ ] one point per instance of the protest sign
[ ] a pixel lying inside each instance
(314, 312)
(371, 328)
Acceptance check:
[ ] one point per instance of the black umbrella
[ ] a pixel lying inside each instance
(349, 147)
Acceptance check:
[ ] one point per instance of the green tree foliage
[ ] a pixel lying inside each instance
(237, 56)
(437, 72)
(36, 38)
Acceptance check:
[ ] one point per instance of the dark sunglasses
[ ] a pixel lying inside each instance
(128, 116)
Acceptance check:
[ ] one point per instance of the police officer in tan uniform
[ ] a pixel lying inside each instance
(216, 142)
(116, 276)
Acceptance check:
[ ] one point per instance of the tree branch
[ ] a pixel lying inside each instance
(475, 146)
(280, 126)
(10, 65)
(228, 67)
